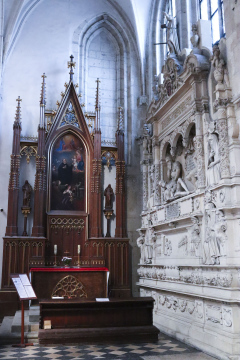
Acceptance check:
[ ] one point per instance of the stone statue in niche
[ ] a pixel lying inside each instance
(175, 186)
(221, 228)
(172, 38)
(191, 163)
(147, 142)
(146, 244)
(140, 244)
(27, 190)
(213, 172)
(148, 247)
(108, 193)
(195, 237)
(215, 238)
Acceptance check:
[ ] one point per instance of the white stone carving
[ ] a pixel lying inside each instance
(175, 187)
(213, 172)
(167, 246)
(199, 309)
(220, 71)
(183, 243)
(222, 278)
(227, 316)
(213, 313)
(172, 38)
(215, 237)
(146, 244)
(140, 244)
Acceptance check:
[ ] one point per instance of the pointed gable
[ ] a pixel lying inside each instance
(69, 116)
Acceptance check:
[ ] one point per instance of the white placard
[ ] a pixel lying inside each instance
(24, 279)
(20, 288)
(102, 299)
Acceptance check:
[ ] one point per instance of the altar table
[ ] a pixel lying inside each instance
(88, 283)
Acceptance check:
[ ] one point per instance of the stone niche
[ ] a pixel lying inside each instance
(189, 237)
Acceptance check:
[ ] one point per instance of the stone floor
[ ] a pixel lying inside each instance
(165, 349)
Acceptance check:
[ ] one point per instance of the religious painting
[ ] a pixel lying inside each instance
(68, 174)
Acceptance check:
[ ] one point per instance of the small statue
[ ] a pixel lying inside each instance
(172, 38)
(27, 190)
(213, 173)
(220, 73)
(108, 193)
(141, 245)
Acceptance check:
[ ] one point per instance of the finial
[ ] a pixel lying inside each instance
(18, 112)
(71, 65)
(42, 102)
(97, 95)
(120, 119)
(43, 95)
(97, 106)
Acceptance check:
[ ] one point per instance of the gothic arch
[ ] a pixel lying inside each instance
(126, 47)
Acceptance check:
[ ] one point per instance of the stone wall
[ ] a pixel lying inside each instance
(189, 239)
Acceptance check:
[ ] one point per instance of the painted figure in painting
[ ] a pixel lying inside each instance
(68, 176)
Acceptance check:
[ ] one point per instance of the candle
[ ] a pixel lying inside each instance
(79, 249)
(55, 249)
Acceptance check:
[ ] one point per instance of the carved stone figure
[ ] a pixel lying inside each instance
(220, 73)
(195, 237)
(108, 193)
(27, 190)
(167, 246)
(215, 238)
(195, 38)
(172, 38)
(148, 247)
(140, 244)
(191, 163)
(213, 172)
(176, 186)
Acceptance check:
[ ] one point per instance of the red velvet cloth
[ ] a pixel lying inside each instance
(50, 269)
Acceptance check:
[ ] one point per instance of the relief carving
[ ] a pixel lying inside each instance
(195, 237)
(146, 244)
(215, 237)
(175, 187)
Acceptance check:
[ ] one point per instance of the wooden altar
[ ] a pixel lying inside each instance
(66, 202)
(86, 283)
